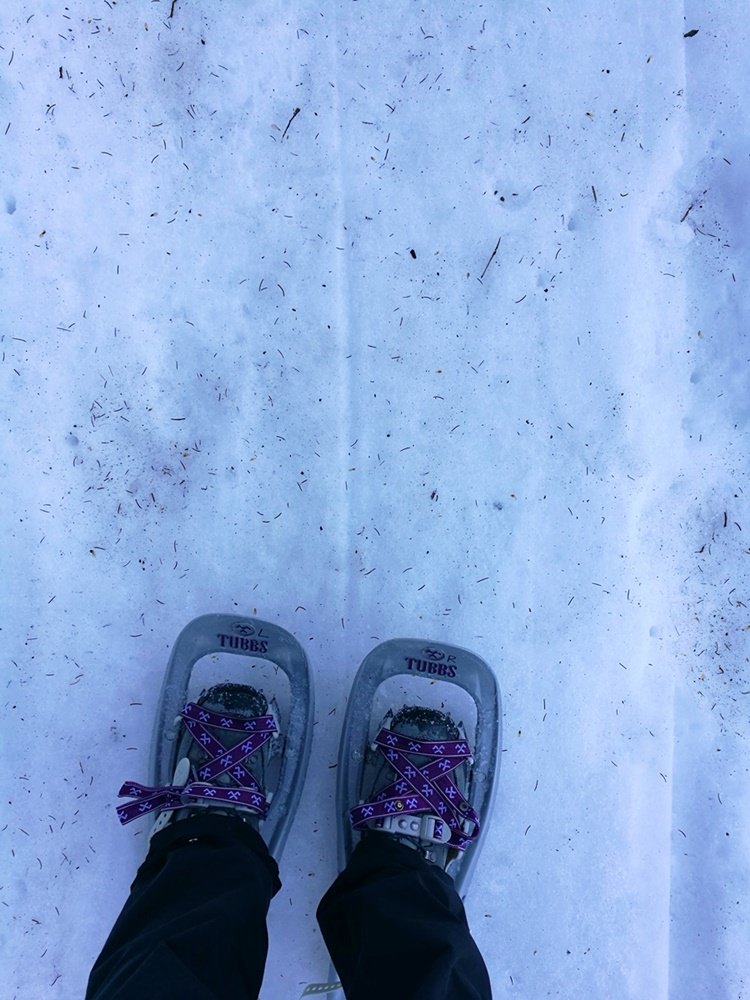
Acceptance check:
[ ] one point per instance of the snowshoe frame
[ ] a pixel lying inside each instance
(433, 661)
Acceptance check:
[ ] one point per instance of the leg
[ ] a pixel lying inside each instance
(194, 925)
(395, 926)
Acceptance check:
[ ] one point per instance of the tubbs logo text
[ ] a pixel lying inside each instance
(429, 667)
(242, 643)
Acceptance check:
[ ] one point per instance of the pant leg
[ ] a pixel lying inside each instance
(395, 926)
(194, 925)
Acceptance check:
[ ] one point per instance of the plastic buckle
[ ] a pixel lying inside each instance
(421, 827)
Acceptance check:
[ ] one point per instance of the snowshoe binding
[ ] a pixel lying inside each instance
(228, 751)
(425, 806)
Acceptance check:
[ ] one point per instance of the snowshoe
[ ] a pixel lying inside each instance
(229, 750)
(418, 775)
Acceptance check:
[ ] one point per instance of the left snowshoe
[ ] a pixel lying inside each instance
(229, 750)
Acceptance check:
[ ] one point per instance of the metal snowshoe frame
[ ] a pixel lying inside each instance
(433, 661)
(260, 640)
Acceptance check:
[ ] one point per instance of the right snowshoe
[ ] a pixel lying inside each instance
(420, 776)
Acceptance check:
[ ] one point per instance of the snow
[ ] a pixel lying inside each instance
(264, 362)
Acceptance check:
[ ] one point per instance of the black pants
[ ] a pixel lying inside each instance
(194, 925)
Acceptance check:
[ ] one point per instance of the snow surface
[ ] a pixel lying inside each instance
(262, 362)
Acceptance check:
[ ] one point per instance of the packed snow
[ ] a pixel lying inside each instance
(377, 320)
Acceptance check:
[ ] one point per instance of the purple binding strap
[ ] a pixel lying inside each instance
(221, 760)
(427, 789)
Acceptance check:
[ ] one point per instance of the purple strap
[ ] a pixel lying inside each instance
(221, 759)
(427, 789)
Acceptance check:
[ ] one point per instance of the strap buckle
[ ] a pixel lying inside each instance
(425, 828)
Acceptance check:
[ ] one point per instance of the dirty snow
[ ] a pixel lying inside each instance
(458, 349)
